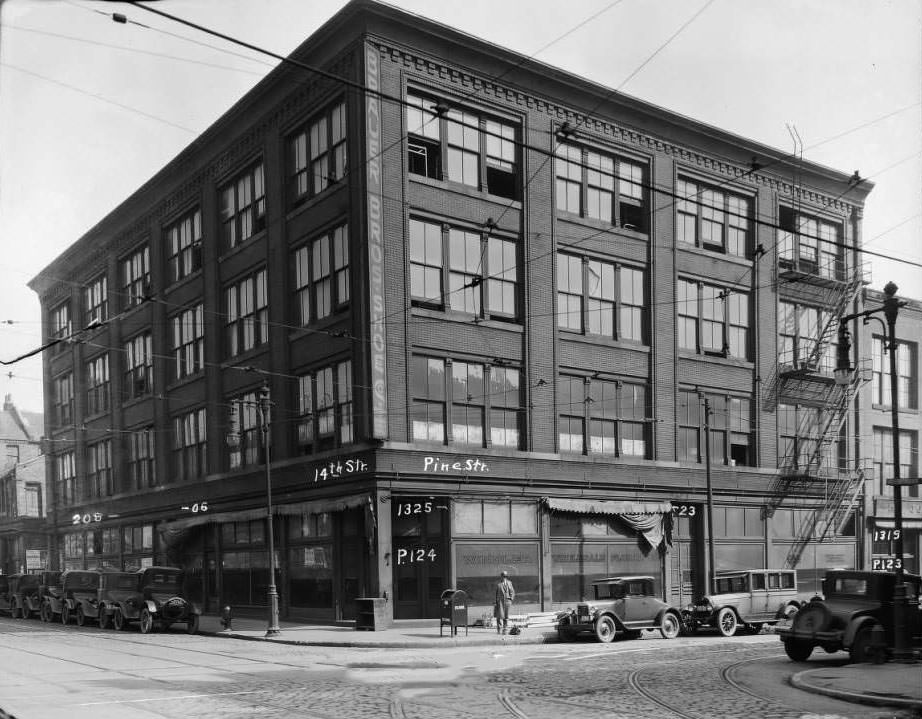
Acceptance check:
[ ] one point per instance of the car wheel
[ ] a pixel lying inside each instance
(118, 620)
(14, 610)
(605, 629)
(726, 622)
(147, 621)
(46, 613)
(192, 625)
(863, 650)
(797, 650)
(81, 617)
(104, 618)
(670, 626)
(65, 614)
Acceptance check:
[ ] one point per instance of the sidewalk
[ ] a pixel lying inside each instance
(890, 684)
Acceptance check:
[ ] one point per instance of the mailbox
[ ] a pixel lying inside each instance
(453, 611)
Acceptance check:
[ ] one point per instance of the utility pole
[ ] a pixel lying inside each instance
(711, 578)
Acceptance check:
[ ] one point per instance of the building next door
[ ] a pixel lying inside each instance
(419, 555)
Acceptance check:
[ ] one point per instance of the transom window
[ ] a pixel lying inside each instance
(712, 320)
(139, 366)
(730, 428)
(321, 276)
(243, 207)
(135, 277)
(189, 445)
(480, 271)
(601, 186)
(712, 219)
(188, 342)
(96, 301)
(461, 145)
(184, 245)
(97, 385)
(810, 244)
(465, 403)
(247, 321)
(906, 362)
(318, 154)
(602, 417)
(600, 298)
(325, 408)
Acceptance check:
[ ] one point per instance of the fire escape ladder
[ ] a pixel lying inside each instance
(837, 302)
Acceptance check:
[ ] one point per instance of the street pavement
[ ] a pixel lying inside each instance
(890, 684)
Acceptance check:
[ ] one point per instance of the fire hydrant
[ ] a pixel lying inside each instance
(226, 618)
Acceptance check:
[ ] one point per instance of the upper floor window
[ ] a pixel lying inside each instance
(600, 298)
(325, 408)
(99, 470)
(810, 244)
(318, 154)
(802, 446)
(800, 328)
(465, 403)
(712, 219)
(243, 207)
(248, 449)
(479, 270)
(602, 417)
(906, 378)
(141, 474)
(462, 146)
(247, 321)
(33, 500)
(601, 186)
(65, 479)
(884, 464)
(97, 385)
(189, 445)
(712, 320)
(96, 301)
(62, 398)
(730, 428)
(139, 366)
(321, 279)
(188, 342)
(61, 327)
(184, 245)
(135, 277)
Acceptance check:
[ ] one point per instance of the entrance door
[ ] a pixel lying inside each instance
(687, 534)
(419, 555)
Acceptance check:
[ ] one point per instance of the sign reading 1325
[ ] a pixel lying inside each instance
(407, 508)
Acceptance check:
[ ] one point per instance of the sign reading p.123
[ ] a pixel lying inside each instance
(886, 564)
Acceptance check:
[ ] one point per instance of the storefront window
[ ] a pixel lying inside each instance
(246, 578)
(575, 565)
(478, 567)
(311, 576)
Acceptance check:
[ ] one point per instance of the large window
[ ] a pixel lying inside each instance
(248, 449)
(325, 408)
(601, 186)
(799, 329)
(730, 428)
(139, 367)
(99, 470)
(602, 417)
(141, 473)
(883, 460)
(61, 327)
(97, 385)
(317, 154)
(479, 270)
(907, 384)
(184, 246)
(461, 146)
(465, 403)
(65, 479)
(243, 207)
(135, 277)
(712, 320)
(62, 400)
(321, 276)
(96, 301)
(189, 446)
(800, 440)
(247, 321)
(600, 298)
(712, 219)
(810, 244)
(188, 342)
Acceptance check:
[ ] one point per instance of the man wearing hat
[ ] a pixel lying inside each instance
(505, 593)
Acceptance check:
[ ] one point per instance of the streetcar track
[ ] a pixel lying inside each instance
(633, 681)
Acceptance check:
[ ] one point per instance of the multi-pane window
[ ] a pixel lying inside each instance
(602, 417)
(325, 408)
(810, 244)
(480, 271)
(317, 154)
(729, 424)
(65, 479)
(99, 470)
(601, 186)
(134, 275)
(247, 321)
(883, 460)
(61, 327)
(799, 439)
(62, 399)
(247, 450)
(184, 246)
(465, 403)
(600, 298)
(139, 366)
(96, 301)
(97, 385)
(189, 445)
(461, 146)
(243, 207)
(141, 473)
(712, 320)
(906, 388)
(799, 330)
(712, 219)
(321, 276)
(188, 341)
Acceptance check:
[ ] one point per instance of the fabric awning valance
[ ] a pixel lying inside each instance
(653, 520)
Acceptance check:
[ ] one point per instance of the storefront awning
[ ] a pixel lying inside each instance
(653, 520)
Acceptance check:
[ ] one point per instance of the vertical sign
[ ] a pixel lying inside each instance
(378, 345)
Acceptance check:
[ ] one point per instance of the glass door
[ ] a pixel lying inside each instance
(419, 555)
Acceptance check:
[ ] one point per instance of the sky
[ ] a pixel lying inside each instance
(90, 109)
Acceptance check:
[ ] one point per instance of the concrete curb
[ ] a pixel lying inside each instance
(441, 642)
(800, 680)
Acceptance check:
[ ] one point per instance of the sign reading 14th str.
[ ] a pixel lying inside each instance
(338, 468)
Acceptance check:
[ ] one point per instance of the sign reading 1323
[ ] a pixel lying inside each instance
(684, 510)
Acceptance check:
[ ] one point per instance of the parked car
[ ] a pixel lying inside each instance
(747, 598)
(80, 588)
(52, 593)
(158, 601)
(4, 592)
(21, 586)
(856, 608)
(623, 607)
(31, 592)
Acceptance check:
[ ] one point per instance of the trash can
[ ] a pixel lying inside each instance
(453, 611)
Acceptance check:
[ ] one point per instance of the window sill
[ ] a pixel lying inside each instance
(322, 326)
(235, 360)
(465, 318)
(601, 225)
(462, 189)
(694, 250)
(185, 380)
(296, 209)
(182, 281)
(889, 408)
(716, 359)
(603, 341)
(240, 246)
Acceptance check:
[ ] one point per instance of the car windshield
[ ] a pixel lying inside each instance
(162, 580)
(609, 591)
(849, 585)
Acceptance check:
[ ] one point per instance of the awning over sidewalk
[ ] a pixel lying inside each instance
(653, 520)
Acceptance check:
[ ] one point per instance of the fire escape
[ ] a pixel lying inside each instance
(811, 465)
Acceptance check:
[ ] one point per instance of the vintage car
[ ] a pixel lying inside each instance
(32, 601)
(80, 595)
(855, 615)
(157, 601)
(52, 596)
(623, 607)
(747, 598)
(22, 588)
(4, 592)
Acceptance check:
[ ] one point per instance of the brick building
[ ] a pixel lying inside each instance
(491, 302)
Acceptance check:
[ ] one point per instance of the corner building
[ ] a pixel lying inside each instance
(491, 302)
